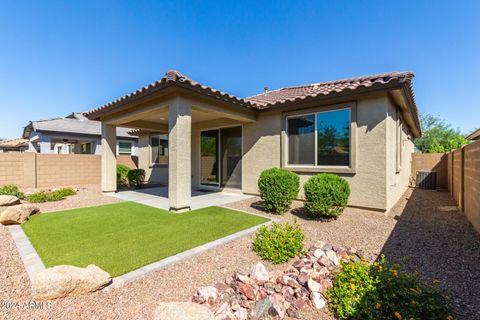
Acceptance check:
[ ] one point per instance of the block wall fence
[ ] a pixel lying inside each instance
(35, 170)
(459, 171)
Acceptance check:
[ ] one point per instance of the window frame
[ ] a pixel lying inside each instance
(352, 106)
(123, 153)
(399, 141)
(150, 150)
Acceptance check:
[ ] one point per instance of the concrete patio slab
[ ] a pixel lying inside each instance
(158, 197)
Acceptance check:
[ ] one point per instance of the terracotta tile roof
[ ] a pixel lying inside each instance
(173, 77)
(298, 93)
(276, 97)
(475, 135)
(14, 143)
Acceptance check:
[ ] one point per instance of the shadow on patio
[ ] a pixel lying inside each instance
(158, 197)
(441, 244)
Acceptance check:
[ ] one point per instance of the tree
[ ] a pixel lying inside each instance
(438, 136)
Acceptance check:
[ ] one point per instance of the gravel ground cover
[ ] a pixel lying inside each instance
(441, 245)
(87, 196)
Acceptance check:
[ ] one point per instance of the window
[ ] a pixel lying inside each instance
(159, 149)
(86, 148)
(301, 140)
(319, 139)
(399, 141)
(124, 147)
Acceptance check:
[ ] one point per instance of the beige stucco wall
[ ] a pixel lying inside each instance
(262, 150)
(153, 174)
(375, 183)
(397, 182)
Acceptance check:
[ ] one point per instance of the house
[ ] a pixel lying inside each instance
(194, 136)
(14, 145)
(475, 135)
(74, 134)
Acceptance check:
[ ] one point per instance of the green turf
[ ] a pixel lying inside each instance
(124, 236)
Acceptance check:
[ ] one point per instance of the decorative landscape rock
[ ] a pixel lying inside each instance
(182, 311)
(8, 200)
(259, 273)
(65, 280)
(261, 295)
(17, 214)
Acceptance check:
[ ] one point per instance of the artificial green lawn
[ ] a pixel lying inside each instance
(124, 236)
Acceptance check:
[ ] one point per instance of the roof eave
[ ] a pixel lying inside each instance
(166, 88)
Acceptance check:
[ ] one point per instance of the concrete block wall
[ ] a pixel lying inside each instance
(464, 180)
(67, 169)
(437, 162)
(31, 170)
(471, 180)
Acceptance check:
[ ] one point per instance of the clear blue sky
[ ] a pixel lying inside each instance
(64, 56)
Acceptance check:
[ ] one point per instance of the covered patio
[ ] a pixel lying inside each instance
(200, 151)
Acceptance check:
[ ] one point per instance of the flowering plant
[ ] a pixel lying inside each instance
(382, 291)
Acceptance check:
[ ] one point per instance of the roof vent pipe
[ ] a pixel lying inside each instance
(265, 90)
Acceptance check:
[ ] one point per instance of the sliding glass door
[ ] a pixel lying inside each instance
(221, 157)
(209, 168)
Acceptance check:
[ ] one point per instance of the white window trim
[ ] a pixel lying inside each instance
(131, 148)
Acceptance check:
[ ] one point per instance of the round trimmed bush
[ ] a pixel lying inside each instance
(278, 188)
(326, 195)
(136, 177)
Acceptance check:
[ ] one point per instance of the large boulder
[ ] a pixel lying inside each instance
(17, 214)
(182, 311)
(65, 280)
(8, 200)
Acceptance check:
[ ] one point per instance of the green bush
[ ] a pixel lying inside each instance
(326, 195)
(278, 188)
(47, 196)
(136, 177)
(122, 175)
(280, 242)
(380, 291)
(12, 190)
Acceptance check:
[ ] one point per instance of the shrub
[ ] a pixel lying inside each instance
(280, 242)
(12, 190)
(65, 192)
(136, 177)
(47, 196)
(278, 188)
(326, 195)
(380, 291)
(122, 175)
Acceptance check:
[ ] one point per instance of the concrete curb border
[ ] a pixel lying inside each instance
(33, 264)
(31, 260)
(140, 272)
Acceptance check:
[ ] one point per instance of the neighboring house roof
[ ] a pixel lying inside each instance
(70, 124)
(278, 97)
(475, 135)
(14, 143)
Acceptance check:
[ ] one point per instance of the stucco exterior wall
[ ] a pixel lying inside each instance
(375, 183)
(398, 177)
(157, 174)
(262, 150)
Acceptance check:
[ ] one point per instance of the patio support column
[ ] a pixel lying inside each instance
(109, 159)
(179, 156)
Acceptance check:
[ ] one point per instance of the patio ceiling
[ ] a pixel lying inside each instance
(155, 116)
